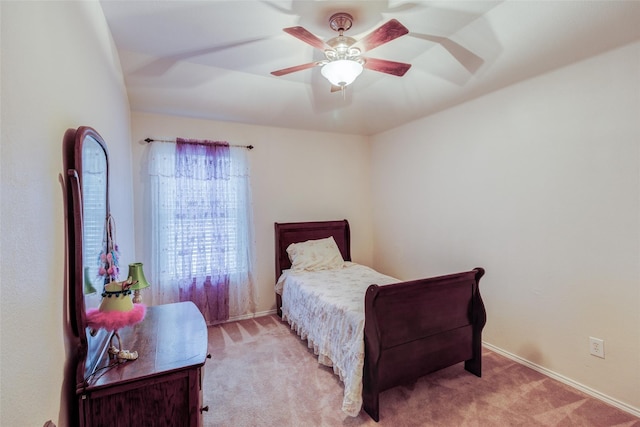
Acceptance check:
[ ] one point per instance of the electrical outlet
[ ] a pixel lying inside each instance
(596, 347)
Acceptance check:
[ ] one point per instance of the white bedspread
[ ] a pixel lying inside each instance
(327, 309)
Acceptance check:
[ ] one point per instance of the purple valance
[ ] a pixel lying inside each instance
(202, 159)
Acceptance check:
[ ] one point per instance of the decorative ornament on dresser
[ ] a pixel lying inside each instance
(116, 309)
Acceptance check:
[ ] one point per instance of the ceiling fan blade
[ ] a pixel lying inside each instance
(468, 59)
(383, 34)
(307, 37)
(294, 69)
(386, 66)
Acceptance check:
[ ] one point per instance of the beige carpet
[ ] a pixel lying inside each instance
(262, 374)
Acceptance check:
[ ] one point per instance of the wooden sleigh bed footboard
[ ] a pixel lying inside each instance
(417, 327)
(411, 328)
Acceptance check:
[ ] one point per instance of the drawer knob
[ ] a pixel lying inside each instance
(204, 409)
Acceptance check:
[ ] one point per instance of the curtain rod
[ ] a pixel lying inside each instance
(148, 140)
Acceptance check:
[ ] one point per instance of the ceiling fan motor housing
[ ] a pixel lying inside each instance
(341, 45)
(341, 49)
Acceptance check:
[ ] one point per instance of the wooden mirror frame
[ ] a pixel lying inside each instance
(90, 342)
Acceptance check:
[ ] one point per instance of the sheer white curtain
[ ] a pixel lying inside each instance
(202, 228)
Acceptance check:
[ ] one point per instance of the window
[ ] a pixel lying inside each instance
(201, 227)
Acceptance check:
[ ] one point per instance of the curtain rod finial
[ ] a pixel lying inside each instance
(148, 140)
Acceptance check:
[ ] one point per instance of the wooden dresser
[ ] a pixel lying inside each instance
(163, 387)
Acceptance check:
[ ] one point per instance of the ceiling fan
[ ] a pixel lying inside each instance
(344, 60)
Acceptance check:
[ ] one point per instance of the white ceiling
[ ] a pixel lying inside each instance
(212, 59)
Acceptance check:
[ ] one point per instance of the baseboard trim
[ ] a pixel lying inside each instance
(568, 381)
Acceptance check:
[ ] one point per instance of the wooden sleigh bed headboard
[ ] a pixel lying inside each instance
(295, 232)
(411, 328)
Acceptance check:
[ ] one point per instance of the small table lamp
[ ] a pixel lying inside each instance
(115, 312)
(139, 281)
(88, 283)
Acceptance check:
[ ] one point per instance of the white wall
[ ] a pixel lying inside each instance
(59, 71)
(295, 176)
(540, 184)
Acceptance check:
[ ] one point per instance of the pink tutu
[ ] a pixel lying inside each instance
(114, 320)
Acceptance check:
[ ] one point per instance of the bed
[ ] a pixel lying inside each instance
(399, 331)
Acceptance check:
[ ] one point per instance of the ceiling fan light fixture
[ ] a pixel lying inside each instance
(341, 72)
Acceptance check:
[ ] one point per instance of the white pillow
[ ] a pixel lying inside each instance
(313, 255)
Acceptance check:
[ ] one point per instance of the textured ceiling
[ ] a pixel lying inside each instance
(212, 59)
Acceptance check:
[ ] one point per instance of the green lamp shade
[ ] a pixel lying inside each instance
(88, 285)
(137, 276)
